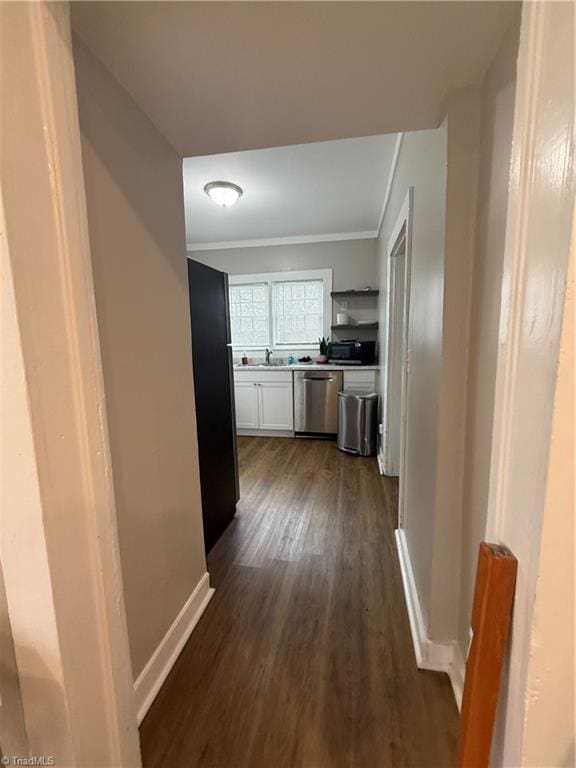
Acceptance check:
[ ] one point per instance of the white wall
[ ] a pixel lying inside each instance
(353, 262)
(133, 184)
(460, 175)
(422, 165)
(463, 140)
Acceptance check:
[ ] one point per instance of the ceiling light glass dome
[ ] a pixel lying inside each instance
(223, 193)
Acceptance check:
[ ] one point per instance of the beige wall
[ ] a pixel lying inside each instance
(422, 165)
(497, 115)
(353, 261)
(135, 208)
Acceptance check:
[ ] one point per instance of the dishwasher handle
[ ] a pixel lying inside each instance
(321, 377)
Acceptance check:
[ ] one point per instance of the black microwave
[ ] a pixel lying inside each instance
(352, 352)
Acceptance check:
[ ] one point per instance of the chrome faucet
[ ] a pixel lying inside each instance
(267, 356)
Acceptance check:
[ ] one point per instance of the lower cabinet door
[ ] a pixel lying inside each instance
(275, 405)
(246, 396)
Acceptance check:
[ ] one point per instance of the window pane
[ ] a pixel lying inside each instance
(249, 315)
(298, 312)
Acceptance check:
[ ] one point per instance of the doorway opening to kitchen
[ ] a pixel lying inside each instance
(298, 301)
(299, 265)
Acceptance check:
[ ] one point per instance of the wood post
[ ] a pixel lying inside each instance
(491, 617)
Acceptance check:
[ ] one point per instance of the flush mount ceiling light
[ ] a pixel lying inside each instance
(223, 193)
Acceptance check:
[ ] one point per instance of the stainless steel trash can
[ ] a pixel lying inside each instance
(357, 413)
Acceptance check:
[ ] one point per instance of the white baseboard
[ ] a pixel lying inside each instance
(265, 432)
(439, 657)
(156, 671)
(456, 674)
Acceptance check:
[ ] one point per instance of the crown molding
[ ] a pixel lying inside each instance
(371, 234)
(391, 175)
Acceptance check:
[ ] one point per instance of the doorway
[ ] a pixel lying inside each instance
(398, 354)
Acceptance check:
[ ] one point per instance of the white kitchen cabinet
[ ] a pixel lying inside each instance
(246, 397)
(361, 380)
(275, 405)
(264, 401)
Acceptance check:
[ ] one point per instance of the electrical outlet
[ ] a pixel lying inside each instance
(380, 429)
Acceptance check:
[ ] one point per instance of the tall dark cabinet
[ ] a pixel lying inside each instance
(214, 387)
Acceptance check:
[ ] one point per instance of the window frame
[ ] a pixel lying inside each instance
(287, 276)
(250, 284)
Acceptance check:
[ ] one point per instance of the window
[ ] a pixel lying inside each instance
(297, 312)
(249, 314)
(280, 310)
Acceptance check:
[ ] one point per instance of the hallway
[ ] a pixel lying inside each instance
(304, 655)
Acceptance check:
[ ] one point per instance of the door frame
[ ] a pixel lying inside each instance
(392, 466)
(58, 505)
(538, 241)
(403, 222)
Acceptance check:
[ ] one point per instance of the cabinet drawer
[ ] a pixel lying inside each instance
(263, 376)
(351, 378)
(361, 386)
(363, 381)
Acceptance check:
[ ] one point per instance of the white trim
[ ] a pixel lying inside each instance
(152, 677)
(404, 219)
(456, 673)
(380, 460)
(538, 233)
(285, 274)
(429, 655)
(326, 275)
(371, 234)
(439, 657)
(391, 462)
(59, 507)
(265, 432)
(391, 176)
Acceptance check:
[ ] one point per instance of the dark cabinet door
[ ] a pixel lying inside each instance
(214, 392)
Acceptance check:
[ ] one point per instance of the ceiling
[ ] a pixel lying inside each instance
(327, 190)
(225, 76)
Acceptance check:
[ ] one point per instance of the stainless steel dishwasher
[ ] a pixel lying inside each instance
(316, 402)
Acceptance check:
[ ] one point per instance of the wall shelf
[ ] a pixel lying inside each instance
(356, 327)
(353, 294)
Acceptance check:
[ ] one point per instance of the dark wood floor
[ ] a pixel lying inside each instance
(303, 657)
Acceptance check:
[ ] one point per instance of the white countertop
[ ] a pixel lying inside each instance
(304, 367)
